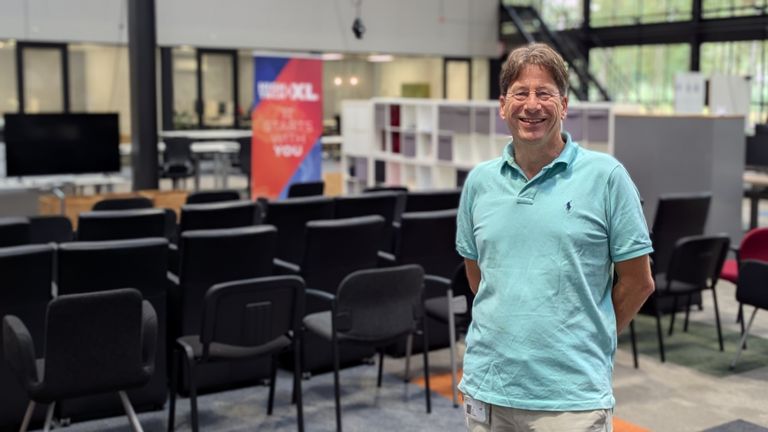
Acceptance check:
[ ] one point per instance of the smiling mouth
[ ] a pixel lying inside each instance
(532, 121)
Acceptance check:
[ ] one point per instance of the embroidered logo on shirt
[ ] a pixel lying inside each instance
(568, 207)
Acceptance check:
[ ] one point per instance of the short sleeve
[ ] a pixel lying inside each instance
(628, 230)
(465, 236)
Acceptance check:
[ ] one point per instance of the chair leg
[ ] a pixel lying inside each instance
(297, 385)
(175, 365)
(134, 421)
(381, 368)
(408, 351)
(740, 320)
(717, 320)
(27, 416)
(49, 417)
(743, 341)
(452, 341)
(336, 390)
(633, 339)
(659, 333)
(425, 353)
(272, 378)
(674, 312)
(687, 312)
(192, 392)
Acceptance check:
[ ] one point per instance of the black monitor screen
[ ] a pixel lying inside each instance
(46, 144)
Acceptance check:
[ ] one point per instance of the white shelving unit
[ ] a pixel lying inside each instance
(433, 144)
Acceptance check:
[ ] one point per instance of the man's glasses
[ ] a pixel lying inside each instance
(541, 95)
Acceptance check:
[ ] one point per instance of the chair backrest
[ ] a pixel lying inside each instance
(120, 224)
(93, 344)
(754, 245)
(27, 273)
(752, 288)
(677, 216)
(460, 286)
(219, 215)
(252, 312)
(209, 257)
(428, 239)
(306, 189)
(431, 200)
(14, 231)
(385, 189)
(106, 265)
(380, 304)
(50, 229)
(131, 203)
(383, 204)
(178, 150)
(205, 197)
(290, 217)
(244, 155)
(336, 248)
(698, 259)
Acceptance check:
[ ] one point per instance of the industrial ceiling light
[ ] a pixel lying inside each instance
(358, 28)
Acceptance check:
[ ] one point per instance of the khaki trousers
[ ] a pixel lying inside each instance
(504, 419)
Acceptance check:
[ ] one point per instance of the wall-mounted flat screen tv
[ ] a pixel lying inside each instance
(48, 144)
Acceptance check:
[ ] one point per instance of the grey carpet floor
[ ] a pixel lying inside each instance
(396, 406)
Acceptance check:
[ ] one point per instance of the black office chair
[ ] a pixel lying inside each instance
(431, 200)
(50, 229)
(14, 231)
(121, 224)
(694, 267)
(290, 217)
(130, 203)
(305, 189)
(372, 308)
(454, 309)
(752, 290)
(94, 343)
(219, 215)
(384, 204)
(27, 275)
(385, 189)
(178, 162)
(206, 197)
(243, 320)
(210, 257)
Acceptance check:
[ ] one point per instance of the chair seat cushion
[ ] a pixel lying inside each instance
(730, 271)
(233, 352)
(675, 287)
(320, 324)
(437, 307)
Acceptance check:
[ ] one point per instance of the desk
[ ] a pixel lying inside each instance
(57, 184)
(758, 190)
(207, 134)
(222, 152)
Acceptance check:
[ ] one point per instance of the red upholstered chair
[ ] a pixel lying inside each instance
(754, 246)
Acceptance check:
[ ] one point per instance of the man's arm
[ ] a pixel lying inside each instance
(635, 284)
(473, 274)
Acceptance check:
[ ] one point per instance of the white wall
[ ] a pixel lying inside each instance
(437, 27)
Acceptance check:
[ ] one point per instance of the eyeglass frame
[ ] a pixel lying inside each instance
(542, 95)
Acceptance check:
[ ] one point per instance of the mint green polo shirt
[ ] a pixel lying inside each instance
(543, 332)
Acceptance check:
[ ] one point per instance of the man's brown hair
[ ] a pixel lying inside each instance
(534, 54)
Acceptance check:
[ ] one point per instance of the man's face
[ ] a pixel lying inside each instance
(533, 107)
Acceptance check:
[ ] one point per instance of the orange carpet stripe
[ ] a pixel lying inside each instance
(441, 384)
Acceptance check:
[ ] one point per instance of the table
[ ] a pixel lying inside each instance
(758, 190)
(222, 152)
(207, 134)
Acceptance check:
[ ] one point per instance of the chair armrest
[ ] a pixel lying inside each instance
(19, 350)
(322, 295)
(149, 336)
(282, 267)
(172, 278)
(386, 259)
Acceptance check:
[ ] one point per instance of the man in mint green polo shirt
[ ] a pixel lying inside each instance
(542, 229)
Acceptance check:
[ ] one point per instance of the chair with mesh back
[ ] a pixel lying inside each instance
(243, 320)
(431, 200)
(121, 224)
(27, 275)
(205, 197)
(290, 217)
(751, 290)
(372, 308)
(304, 189)
(99, 342)
(14, 231)
(693, 267)
(178, 161)
(50, 229)
(130, 203)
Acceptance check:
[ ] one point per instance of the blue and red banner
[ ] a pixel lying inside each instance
(287, 124)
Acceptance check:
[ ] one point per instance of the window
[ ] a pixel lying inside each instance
(9, 102)
(605, 13)
(732, 8)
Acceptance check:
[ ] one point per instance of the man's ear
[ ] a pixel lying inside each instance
(502, 113)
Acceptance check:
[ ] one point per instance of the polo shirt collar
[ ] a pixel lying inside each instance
(565, 158)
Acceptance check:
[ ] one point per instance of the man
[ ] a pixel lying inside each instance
(541, 230)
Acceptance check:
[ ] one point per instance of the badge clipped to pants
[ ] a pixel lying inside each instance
(476, 410)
